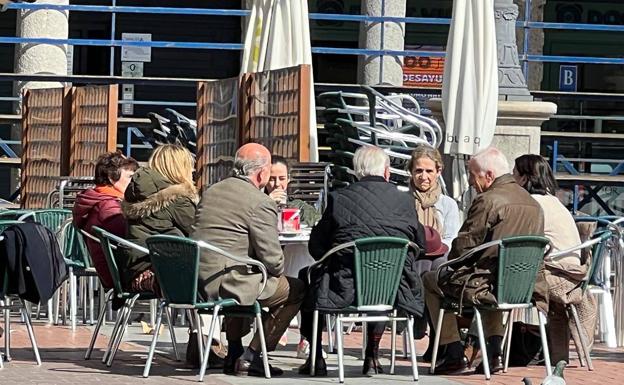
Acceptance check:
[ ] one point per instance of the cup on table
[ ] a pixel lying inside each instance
(289, 220)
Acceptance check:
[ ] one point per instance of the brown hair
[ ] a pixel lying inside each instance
(422, 151)
(109, 165)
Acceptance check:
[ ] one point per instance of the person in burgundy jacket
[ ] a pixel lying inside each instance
(101, 205)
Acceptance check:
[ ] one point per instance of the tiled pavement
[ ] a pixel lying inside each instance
(63, 363)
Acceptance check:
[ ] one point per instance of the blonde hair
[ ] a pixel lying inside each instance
(173, 162)
(425, 151)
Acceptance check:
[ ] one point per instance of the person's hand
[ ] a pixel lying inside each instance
(278, 195)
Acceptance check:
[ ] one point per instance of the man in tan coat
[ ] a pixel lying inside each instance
(501, 209)
(235, 215)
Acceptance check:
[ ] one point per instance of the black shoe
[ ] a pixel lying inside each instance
(452, 366)
(496, 365)
(233, 354)
(373, 364)
(254, 368)
(320, 367)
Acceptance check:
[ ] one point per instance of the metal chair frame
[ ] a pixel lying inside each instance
(500, 307)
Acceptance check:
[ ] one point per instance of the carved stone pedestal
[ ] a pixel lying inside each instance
(518, 125)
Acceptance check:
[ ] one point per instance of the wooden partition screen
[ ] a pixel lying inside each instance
(275, 111)
(93, 128)
(42, 125)
(217, 129)
(64, 130)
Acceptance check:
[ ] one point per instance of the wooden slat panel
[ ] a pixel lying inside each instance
(276, 111)
(217, 129)
(42, 120)
(93, 127)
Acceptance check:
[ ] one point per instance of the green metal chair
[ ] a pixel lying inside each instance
(111, 246)
(519, 260)
(53, 219)
(79, 265)
(6, 305)
(176, 263)
(12, 214)
(378, 264)
(598, 244)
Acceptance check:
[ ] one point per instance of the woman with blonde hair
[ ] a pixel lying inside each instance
(160, 199)
(434, 209)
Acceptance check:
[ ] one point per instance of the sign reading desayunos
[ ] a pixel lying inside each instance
(423, 71)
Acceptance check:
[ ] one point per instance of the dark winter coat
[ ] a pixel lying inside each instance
(154, 206)
(104, 211)
(36, 267)
(369, 207)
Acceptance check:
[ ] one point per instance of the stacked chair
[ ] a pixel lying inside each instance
(369, 118)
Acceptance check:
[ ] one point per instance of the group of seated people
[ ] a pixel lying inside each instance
(240, 215)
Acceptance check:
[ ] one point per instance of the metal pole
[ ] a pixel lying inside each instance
(112, 48)
(527, 30)
(382, 41)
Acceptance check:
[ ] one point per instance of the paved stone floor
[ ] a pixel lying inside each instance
(63, 363)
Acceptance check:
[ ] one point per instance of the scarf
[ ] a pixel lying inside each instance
(109, 190)
(425, 207)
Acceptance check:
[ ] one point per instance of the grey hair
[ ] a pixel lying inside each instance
(248, 167)
(491, 159)
(370, 161)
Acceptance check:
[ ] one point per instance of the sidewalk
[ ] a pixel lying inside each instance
(62, 353)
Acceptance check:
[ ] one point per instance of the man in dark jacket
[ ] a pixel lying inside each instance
(370, 207)
(501, 209)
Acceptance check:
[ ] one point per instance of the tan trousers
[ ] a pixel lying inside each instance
(283, 305)
(492, 320)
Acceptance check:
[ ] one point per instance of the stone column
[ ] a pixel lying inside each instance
(373, 70)
(511, 82)
(39, 58)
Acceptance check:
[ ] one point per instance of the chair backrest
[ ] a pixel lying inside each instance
(73, 245)
(379, 263)
(4, 224)
(53, 219)
(175, 261)
(598, 253)
(12, 214)
(109, 254)
(519, 259)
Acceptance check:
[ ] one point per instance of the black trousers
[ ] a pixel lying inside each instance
(374, 333)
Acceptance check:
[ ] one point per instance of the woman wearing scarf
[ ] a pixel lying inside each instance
(101, 206)
(434, 209)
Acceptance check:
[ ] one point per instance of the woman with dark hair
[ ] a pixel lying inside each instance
(534, 174)
(564, 274)
(101, 206)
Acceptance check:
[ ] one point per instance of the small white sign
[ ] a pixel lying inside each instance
(142, 54)
(132, 69)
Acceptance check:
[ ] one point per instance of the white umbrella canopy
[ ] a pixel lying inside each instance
(470, 85)
(278, 36)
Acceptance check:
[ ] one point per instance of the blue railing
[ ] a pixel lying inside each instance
(525, 25)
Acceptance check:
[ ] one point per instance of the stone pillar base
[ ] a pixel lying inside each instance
(518, 125)
(517, 132)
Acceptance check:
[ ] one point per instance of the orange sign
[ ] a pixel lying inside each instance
(423, 71)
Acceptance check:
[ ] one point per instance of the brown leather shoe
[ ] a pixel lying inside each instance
(254, 368)
(496, 365)
(452, 366)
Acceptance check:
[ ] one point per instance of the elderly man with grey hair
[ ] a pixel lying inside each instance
(370, 207)
(501, 209)
(237, 216)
